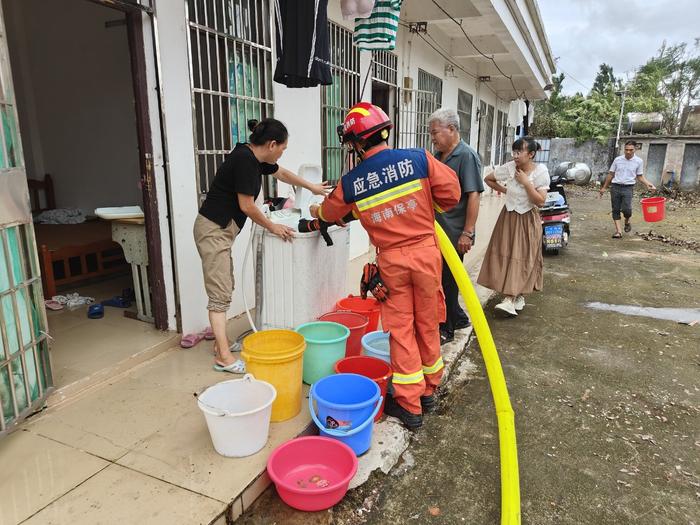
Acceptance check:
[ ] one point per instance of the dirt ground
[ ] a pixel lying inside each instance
(606, 404)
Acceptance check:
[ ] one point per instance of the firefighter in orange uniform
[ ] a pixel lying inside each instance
(393, 193)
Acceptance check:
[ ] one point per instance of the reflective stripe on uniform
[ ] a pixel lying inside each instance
(438, 208)
(436, 367)
(389, 195)
(407, 379)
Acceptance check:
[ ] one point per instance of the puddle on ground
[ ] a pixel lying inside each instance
(679, 315)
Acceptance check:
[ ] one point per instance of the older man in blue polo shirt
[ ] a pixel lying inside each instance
(459, 223)
(624, 172)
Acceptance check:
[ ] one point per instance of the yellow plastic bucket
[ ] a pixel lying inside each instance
(275, 356)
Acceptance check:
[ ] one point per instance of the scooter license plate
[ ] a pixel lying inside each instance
(553, 235)
(554, 230)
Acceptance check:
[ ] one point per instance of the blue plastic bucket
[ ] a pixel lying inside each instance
(376, 344)
(346, 404)
(325, 344)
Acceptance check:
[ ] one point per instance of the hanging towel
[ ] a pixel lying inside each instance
(379, 30)
(303, 48)
(516, 112)
(356, 8)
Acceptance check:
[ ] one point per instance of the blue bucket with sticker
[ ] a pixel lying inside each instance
(345, 408)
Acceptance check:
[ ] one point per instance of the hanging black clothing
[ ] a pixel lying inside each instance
(303, 48)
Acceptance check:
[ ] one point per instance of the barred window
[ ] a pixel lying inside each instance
(486, 115)
(464, 111)
(384, 67)
(500, 136)
(425, 105)
(230, 45)
(338, 98)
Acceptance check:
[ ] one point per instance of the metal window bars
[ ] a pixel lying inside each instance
(10, 147)
(337, 99)
(230, 48)
(25, 368)
(465, 102)
(426, 105)
(486, 113)
(500, 137)
(385, 67)
(414, 109)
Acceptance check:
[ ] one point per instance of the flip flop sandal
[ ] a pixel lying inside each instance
(617, 235)
(96, 311)
(189, 340)
(117, 301)
(628, 227)
(235, 347)
(237, 367)
(209, 334)
(53, 305)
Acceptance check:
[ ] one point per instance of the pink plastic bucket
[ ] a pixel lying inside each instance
(357, 323)
(312, 473)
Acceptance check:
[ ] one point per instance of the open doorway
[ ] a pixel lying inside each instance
(81, 115)
(385, 87)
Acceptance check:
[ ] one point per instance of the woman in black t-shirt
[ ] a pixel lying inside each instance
(230, 201)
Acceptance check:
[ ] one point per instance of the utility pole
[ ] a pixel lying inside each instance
(619, 122)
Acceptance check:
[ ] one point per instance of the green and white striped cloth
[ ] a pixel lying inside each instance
(379, 30)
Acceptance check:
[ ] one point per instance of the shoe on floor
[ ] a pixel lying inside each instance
(237, 367)
(462, 324)
(446, 337)
(409, 420)
(428, 403)
(519, 303)
(506, 306)
(628, 227)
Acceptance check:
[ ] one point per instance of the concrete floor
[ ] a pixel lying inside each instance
(606, 404)
(81, 347)
(135, 448)
(87, 352)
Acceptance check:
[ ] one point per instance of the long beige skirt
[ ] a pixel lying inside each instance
(513, 261)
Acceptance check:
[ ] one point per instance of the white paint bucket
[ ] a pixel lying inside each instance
(237, 413)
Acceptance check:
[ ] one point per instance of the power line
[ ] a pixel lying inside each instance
(438, 44)
(576, 80)
(515, 90)
(447, 57)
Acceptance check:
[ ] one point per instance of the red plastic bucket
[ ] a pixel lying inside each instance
(368, 307)
(377, 370)
(654, 209)
(357, 323)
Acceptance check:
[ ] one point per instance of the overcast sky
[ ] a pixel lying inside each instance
(622, 33)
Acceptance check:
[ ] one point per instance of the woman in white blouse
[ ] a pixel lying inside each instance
(513, 261)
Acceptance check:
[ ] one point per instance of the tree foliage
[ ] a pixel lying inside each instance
(666, 83)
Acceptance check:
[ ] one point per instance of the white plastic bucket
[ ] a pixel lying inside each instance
(237, 413)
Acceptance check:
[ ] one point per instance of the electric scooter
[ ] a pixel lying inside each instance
(556, 218)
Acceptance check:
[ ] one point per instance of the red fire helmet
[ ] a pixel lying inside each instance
(362, 121)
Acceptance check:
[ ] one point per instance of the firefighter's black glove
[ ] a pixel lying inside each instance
(316, 225)
(372, 282)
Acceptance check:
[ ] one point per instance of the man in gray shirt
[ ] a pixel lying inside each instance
(624, 172)
(459, 223)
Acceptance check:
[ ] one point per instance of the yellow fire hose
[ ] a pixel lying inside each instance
(510, 482)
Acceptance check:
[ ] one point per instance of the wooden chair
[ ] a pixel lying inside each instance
(36, 187)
